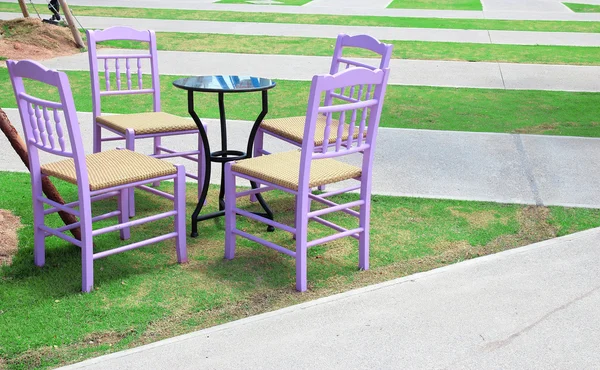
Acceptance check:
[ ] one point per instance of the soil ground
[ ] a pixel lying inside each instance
(30, 38)
(9, 241)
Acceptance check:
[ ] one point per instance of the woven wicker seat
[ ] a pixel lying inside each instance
(292, 128)
(283, 169)
(112, 168)
(147, 123)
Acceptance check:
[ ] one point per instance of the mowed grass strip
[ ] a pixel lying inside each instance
(583, 8)
(375, 21)
(142, 296)
(220, 43)
(437, 4)
(418, 107)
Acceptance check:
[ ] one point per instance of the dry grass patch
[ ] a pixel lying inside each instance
(534, 227)
(478, 219)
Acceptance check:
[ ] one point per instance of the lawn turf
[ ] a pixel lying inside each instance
(583, 8)
(437, 4)
(417, 107)
(143, 295)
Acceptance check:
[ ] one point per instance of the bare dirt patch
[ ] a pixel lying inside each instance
(8, 236)
(30, 38)
(109, 338)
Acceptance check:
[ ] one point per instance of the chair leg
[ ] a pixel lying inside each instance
(87, 264)
(179, 207)
(302, 202)
(123, 199)
(364, 221)
(230, 219)
(130, 144)
(97, 138)
(157, 143)
(87, 248)
(39, 237)
(258, 151)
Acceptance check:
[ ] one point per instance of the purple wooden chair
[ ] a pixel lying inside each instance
(52, 127)
(291, 129)
(127, 79)
(297, 172)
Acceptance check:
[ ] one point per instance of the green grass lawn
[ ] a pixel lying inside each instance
(282, 2)
(419, 107)
(143, 296)
(375, 21)
(537, 54)
(437, 4)
(583, 8)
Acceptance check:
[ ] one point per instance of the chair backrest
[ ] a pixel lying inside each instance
(359, 111)
(42, 119)
(366, 42)
(122, 73)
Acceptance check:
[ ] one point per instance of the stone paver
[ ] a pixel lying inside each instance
(526, 169)
(534, 307)
(331, 31)
(405, 72)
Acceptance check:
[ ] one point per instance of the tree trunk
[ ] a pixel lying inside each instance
(47, 187)
(24, 9)
(71, 22)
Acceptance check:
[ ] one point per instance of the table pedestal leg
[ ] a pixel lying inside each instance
(207, 167)
(221, 156)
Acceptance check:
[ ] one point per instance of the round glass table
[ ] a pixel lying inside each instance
(223, 84)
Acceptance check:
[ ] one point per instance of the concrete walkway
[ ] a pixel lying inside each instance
(331, 31)
(539, 13)
(505, 168)
(540, 6)
(534, 307)
(405, 72)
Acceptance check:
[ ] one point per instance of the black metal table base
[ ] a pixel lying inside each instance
(223, 156)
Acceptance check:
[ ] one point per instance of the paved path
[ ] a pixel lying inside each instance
(405, 72)
(371, 4)
(538, 14)
(331, 31)
(534, 307)
(540, 6)
(525, 169)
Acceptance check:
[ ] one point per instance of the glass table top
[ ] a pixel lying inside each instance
(224, 83)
